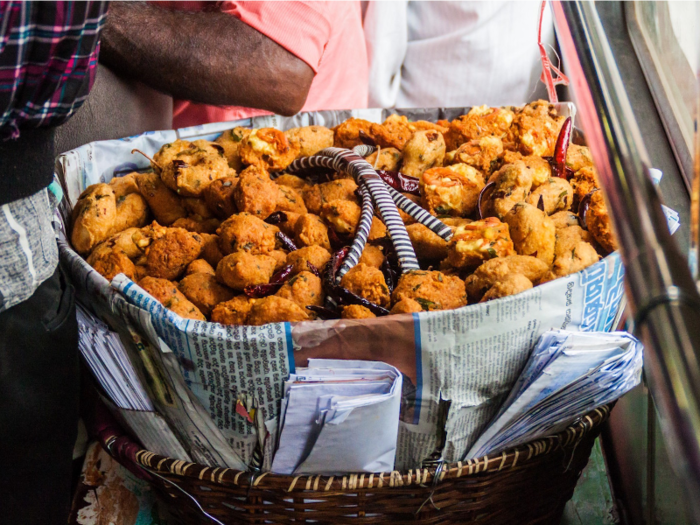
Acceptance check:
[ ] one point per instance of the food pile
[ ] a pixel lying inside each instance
(220, 231)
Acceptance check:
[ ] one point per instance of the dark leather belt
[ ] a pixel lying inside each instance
(26, 164)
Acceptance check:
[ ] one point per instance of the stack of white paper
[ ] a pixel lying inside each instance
(568, 375)
(339, 416)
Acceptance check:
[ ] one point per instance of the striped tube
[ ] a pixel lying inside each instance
(361, 235)
(421, 216)
(364, 150)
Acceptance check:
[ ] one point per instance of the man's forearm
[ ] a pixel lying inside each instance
(208, 57)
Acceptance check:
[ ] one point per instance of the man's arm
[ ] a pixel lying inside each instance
(208, 57)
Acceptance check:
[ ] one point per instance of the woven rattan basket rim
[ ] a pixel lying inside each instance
(509, 459)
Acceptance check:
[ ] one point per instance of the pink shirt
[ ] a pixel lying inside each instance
(328, 36)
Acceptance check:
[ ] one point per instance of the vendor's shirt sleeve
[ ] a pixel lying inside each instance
(302, 28)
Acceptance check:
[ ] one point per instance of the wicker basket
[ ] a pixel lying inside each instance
(525, 485)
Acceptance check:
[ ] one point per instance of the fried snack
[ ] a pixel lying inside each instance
(312, 198)
(451, 191)
(343, 216)
(305, 289)
(269, 148)
(290, 199)
(125, 242)
(541, 169)
(132, 212)
(273, 309)
(483, 154)
(425, 150)
(199, 266)
(94, 217)
(431, 290)
(310, 230)
(556, 194)
(245, 232)
(197, 207)
(367, 282)
(347, 134)
(218, 197)
(424, 125)
(356, 311)
(233, 312)
(197, 225)
(372, 256)
(204, 291)
(109, 261)
(311, 139)
(598, 222)
(394, 132)
(124, 185)
(242, 269)
(377, 230)
(139, 273)
(211, 252)
(578, 157)
(287, 227)
(477, 242)
(164, 203)
(481, 121)
(537, 128)
(169, 255)
(564, 219)
(510, 285)
(405, 217)
(583, 182)
(291, 181)
(340, 189)
(513, 184)
(389, 159)
(572, 253)
(189, 167)
(496, 270)
(532, 231)
(256, 193)
(231, 142)
(315, 255)
(280, 257)
(406, 306)
(427, 244)
(168, 295)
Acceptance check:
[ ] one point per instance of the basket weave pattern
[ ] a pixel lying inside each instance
(529, 484)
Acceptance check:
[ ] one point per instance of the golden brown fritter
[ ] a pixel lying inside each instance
(513, 184)
(406, 306)
(290, 199)
(245, 232)
(537, 128)
(356, 311)
(496, 270)
(541, 169)
(291, 181)
(125, 241)
(311, 139)
(256, 193)
(564, 219)
(199, 266)
(427, 244)
(124, 185)
(269, 148)
(109, 261)
(189, 167)
(211, 252)
(394, 132)
(169, 255)
(204, 291)
(347, 134)
(273, 309)
(483, 154)
(231, 142)
(242, 269)
(168, 295)
(218, 197)
(367, 282)
(94, 217)
(431, 290)
(571, 252)
(578, 157)
(599, 223)
(377, 230)
(301, 258)
(312, 198)
(510, 285)
(477, 242)
(481, 121)
(287, 227)
(372, 256)
(424, 125)
(305, 289)
(425, 150)
(583, 182)
(556, 194)
(197, 225)
(233, 312)
(197, 207)
(280, 257)
(532, 232)
(389, 159)
(340, 189)
(451, 191)
(164, 203)
(310, 230)
(343, 216)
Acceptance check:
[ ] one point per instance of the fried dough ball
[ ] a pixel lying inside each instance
(218, 197)
(342, 215)
(242, 269)
(513, 184)
(166, 293)
(541, 169)
(394, 132)
(451, 191)
(164, 203)
(287, 226)
(372, 256)
(189, 167)
(204, 291)
(532, 232)
(231, 142)
(199, 266)
(301, 258)
(556, 194)
(389, 159)
(311, 139)
(356, 311)
(431, 290)
(564, 219)
(405, 217)
(578, 157)
(347, 134)
(537, 128)
(139, 273)
(109, 261)
(312, 198)
(273, 309)
(481, 121)
(291, 181)
(377, 230)
(496, 270)
(256, 193)
(427, 244)
(310, 230)
(510, 285)
(406, 306)
(367, 282)
(280, 257)
(169, 255)
(290, 199)
(233, 312)
(124, 185)
(305, 289)
(483, 154)
(340, 189)
(197, 225)
(94, 217)
(598, 222)
(477, 242)
(571, 252)
(583, 182)
(268, 147)
(211, 252)
(423, 125)
(425, 150)
(124, 241)
(198, 206)
(245, 232)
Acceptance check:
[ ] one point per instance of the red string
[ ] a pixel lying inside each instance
(547, 67)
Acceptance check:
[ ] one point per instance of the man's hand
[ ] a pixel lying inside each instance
(208, 57)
